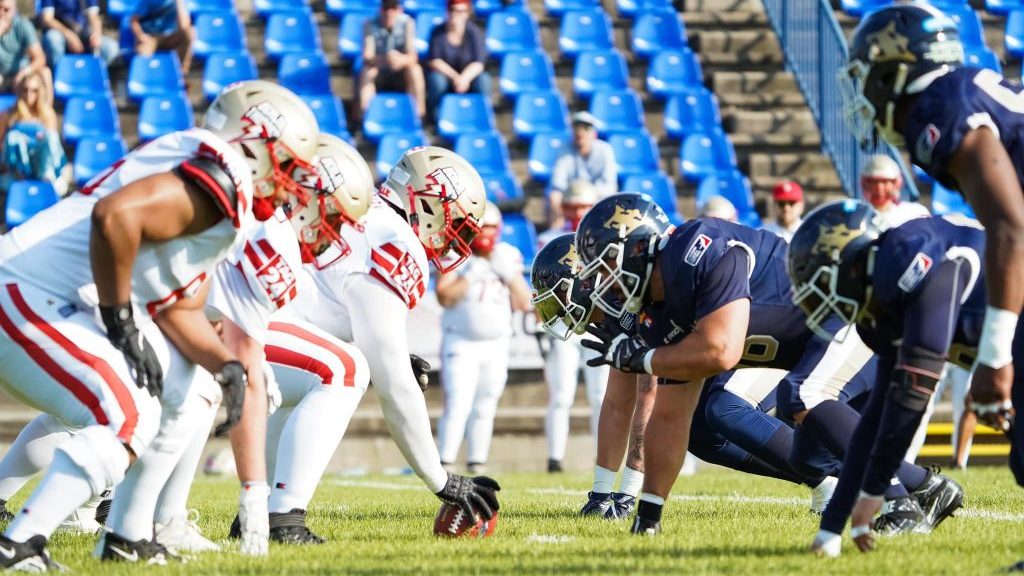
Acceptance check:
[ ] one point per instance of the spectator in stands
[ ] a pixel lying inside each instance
(788, 198)
(74, 26)
(161, 25)
(881, 184)
(720, 207)
(591, 160)
(457, 56)
(31, 148)
(390, 62)
(20, 51)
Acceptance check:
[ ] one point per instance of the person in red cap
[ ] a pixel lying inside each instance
(788, 198)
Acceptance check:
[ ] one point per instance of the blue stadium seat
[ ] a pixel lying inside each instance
(25, 199)
(264, 8)
(946, 201)
(305, 73)
(1003, 7)
(692, 111)
(518, 231)
(94, 154)
(488, 153)
(80, 75)
(599, 70)
(559, 7)
(224, 68)
(657, 31)
(539, 112)
(217, 32)
(1014, 40)
(673, 71)
(734, 187)
(116, 9)
(968, 23)
(350, 37)
(341, 8)
(634, 154)
(859, 8)
(705, 153)
(160, 115)
(525, 72)
(630, 8)
(392, 146)
(658, 186)
(502, 188)
(390, 112)
(197, 7)
(618, 111)
(292, 31)
(426, 21)
(86, 116)
(156, 75)
(460, 114)
(417, 7)
(6, 101)
(511, 31)
(545, 148)
(330, 114)
(984, 58)
(484, 8)
(126, 39)
(584, 30)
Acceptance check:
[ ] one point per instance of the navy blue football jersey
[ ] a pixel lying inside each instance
(955, 104)
(928, 289)
(707, 263)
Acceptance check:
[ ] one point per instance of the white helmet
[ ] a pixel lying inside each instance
(442, 197)
(274, 130)
(341, 188)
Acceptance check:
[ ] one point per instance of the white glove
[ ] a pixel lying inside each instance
(274, 398)
(254, 518)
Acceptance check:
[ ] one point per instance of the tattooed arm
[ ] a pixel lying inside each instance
(646, 387)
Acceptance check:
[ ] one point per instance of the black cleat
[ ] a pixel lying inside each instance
(5, 514)
(597, 504)
(28, 556)
(290, 528)
(901, 515)
(103, 510)
(554, 466)
(939, 497)
(645, 527)
(235, 532)
(115, 548)
(623, 506)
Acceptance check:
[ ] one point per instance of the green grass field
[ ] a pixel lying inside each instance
(718, 522)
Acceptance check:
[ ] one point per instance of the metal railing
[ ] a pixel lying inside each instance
(815, 48)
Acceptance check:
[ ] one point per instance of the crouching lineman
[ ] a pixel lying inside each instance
(916, 295)
(429, 209)
(146, 233)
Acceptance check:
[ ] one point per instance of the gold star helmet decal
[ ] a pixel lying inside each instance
(833, 239)
(571, 259)
(888, 45)
(625, 221)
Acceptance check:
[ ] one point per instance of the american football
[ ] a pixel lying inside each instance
(453, 522)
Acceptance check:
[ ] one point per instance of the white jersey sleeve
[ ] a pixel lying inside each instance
(396, 257)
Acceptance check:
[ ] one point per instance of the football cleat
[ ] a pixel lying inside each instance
(939, 497)
(182, 534)
(822, 493)
(28, 556)
(623, 506)
(235, 532)
(827, 544)
(901, 515)
(290, 528)
(476, 468)
(5, 514)
(115, 548)
(554, 466)
(82, 520)
(597, 504)
(103, 510)
(645, 527)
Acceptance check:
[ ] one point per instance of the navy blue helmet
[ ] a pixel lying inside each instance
(561, 299)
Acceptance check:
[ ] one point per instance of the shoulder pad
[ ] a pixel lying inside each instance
(205, 172)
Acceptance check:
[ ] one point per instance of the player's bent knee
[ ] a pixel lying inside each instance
(911, 390)
(99, 454)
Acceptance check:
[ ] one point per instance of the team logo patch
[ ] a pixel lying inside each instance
(627, 321)
(67, 310)
(267, 117)
(888, 45)
(448, 178)
(329, 172)
(624, 220)
(697, 250)
(926, 143)
(916, 272)
(571, 259)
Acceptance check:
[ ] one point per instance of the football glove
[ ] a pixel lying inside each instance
(138, 353)
(233, 381)
(420, 368)
(476, 496)
(274, 398)
(620, 351)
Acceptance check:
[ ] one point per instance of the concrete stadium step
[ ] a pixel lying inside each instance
(789, 121)
(812, 170)
(756, 89)
(730, 48)
(723, 6)
(735, 20)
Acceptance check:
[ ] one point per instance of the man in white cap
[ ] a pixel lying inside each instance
(881, 182)
(719, 207)
(591, 160)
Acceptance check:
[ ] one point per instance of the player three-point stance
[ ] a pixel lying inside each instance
(135, 245)
(429, 209)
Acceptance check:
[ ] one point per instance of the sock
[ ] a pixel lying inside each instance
(650, 507)
(63, 489)
(31, 452)
(631, 482)
(604, 480)
(896, 490)
(173, 499)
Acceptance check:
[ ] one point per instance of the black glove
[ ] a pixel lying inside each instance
(420, 367)
(138, 353)
(476, 496)
(620, 351)
(233, 380)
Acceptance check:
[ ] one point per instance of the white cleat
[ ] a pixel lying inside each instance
(822, 493)
(182, 535)
(827, 544)
(82, 520)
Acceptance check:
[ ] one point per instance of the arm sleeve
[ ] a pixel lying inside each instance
(379, 331)
(725, 282)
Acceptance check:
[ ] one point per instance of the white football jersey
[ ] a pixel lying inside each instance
(51, 250)
(897, 214)
(387, 250)
(267, 274)
(484, 312)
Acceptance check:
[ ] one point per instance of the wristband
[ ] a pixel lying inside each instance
(995, 349)
(648, 358)
(858, 531)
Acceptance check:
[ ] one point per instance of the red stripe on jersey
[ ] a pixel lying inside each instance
(79, 390)
(157, 306)
(286, 357)
(216, 192)
(392, 250)
(380, 277)
(338, 351)
(382, 261)
(268, 250)
(253, 257)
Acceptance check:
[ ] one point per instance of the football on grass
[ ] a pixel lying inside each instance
(453, 522)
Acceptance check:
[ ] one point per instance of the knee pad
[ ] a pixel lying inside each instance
(912, 389)
(99, 454)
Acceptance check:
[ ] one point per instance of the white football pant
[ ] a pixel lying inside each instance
(561, 370)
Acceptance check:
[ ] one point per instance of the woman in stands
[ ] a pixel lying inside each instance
(31, 148)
